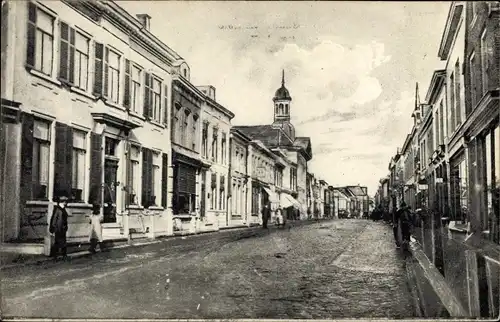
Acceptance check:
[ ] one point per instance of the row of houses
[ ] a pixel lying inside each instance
(448, 168)
(96, 107)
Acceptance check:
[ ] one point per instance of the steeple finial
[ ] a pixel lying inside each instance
(283, 78)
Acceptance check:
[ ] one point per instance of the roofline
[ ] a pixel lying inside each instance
(456, 8)
(240, 135)
(260, 145)
(218, 106)
(189, 85)
(132, 20)
(437, 80)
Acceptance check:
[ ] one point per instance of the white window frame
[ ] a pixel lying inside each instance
(156, 99)
(78, 55)
(48, 143)
(136, 162)
(136, 92)
(112, 71)
(75, 150)
(157, 176)
(38, 66)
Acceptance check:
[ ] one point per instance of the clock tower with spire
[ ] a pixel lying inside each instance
(282, 105)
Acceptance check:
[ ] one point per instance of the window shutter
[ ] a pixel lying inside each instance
(106, 73)
(98, 69)
(62, 161)
(147, 167)
(31, 45)
(63, 52)
(27, 158)
(164, 180)
(129, 174)
(96, 168)
(165, 105)
(71, 63)
(147, 100)
(126, 92)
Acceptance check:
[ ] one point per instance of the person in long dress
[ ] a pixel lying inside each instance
(95, 235)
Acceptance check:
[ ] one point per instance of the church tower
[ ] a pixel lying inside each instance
(282, 104)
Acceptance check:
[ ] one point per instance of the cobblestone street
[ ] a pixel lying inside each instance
(330, 269)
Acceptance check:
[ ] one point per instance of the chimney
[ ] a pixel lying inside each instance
(144, 19)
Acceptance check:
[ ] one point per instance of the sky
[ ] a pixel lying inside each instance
(351, 69)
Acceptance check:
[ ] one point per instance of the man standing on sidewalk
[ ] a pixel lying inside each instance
(59, 226)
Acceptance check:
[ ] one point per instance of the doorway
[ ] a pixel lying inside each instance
(110, 183)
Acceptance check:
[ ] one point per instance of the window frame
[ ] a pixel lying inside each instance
(36, 176)
(33, 50)
(136, 182)
(75, 151)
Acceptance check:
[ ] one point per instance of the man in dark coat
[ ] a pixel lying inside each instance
(266, 214)
(59, 226)
(402, 220)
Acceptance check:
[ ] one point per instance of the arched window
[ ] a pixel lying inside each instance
(276, 109)
(286, 109)
(281, 109)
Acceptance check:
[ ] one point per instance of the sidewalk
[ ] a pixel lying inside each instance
(75, 250)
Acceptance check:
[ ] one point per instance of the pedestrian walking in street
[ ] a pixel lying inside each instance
(280, 221)
(402, 225)
(95, 235)
(59, 226)
(266, 214)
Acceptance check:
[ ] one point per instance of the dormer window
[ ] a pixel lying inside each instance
(185, 72)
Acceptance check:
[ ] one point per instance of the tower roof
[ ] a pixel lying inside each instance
(282, 93)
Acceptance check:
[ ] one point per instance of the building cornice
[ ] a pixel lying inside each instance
(450, 29)
(219, 107)
(437, 81)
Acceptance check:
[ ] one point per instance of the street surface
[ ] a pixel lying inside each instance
(330, 269)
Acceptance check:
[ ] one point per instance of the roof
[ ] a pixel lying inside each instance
(357, 190)
(282, 93)
(267, 134)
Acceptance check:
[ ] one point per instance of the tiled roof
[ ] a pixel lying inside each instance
(267, 134)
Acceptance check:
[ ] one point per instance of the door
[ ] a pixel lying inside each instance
(110, 172)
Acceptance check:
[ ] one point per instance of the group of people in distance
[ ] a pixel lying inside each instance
(401, 221)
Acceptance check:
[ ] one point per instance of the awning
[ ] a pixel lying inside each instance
(288, 201)
(273, 198)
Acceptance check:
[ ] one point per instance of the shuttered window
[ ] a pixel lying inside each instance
(156, 178)
(165, 105)
(222, 193)
(148, 96)
(135, 175)
(185, 192)
(40, 159)
(79, 164)
(164, 181)
(63, 160)
(111, 75)
(223, 149)
(96, 168)
(148, 198)
(67, 53)
(213, 196)
(40, 40)
(98, 69)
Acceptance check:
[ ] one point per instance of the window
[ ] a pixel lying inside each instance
(177, 124)
(484, 63)
(458, 105)
(165, 105)
(156, 178)
(40, 40)
(131, 98)
(459, 190)
(73, 57)
(223, 148)
(473, 82)
(204, 140)
(41, 159)
(194, 124)
(156, 100)
(213, 196)
(214, 144)
(79, 164)
(186, 134)
(286, 109)
(222, 193)
(441, 123)
(111, 75)
(452, 103)
(135, 174)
